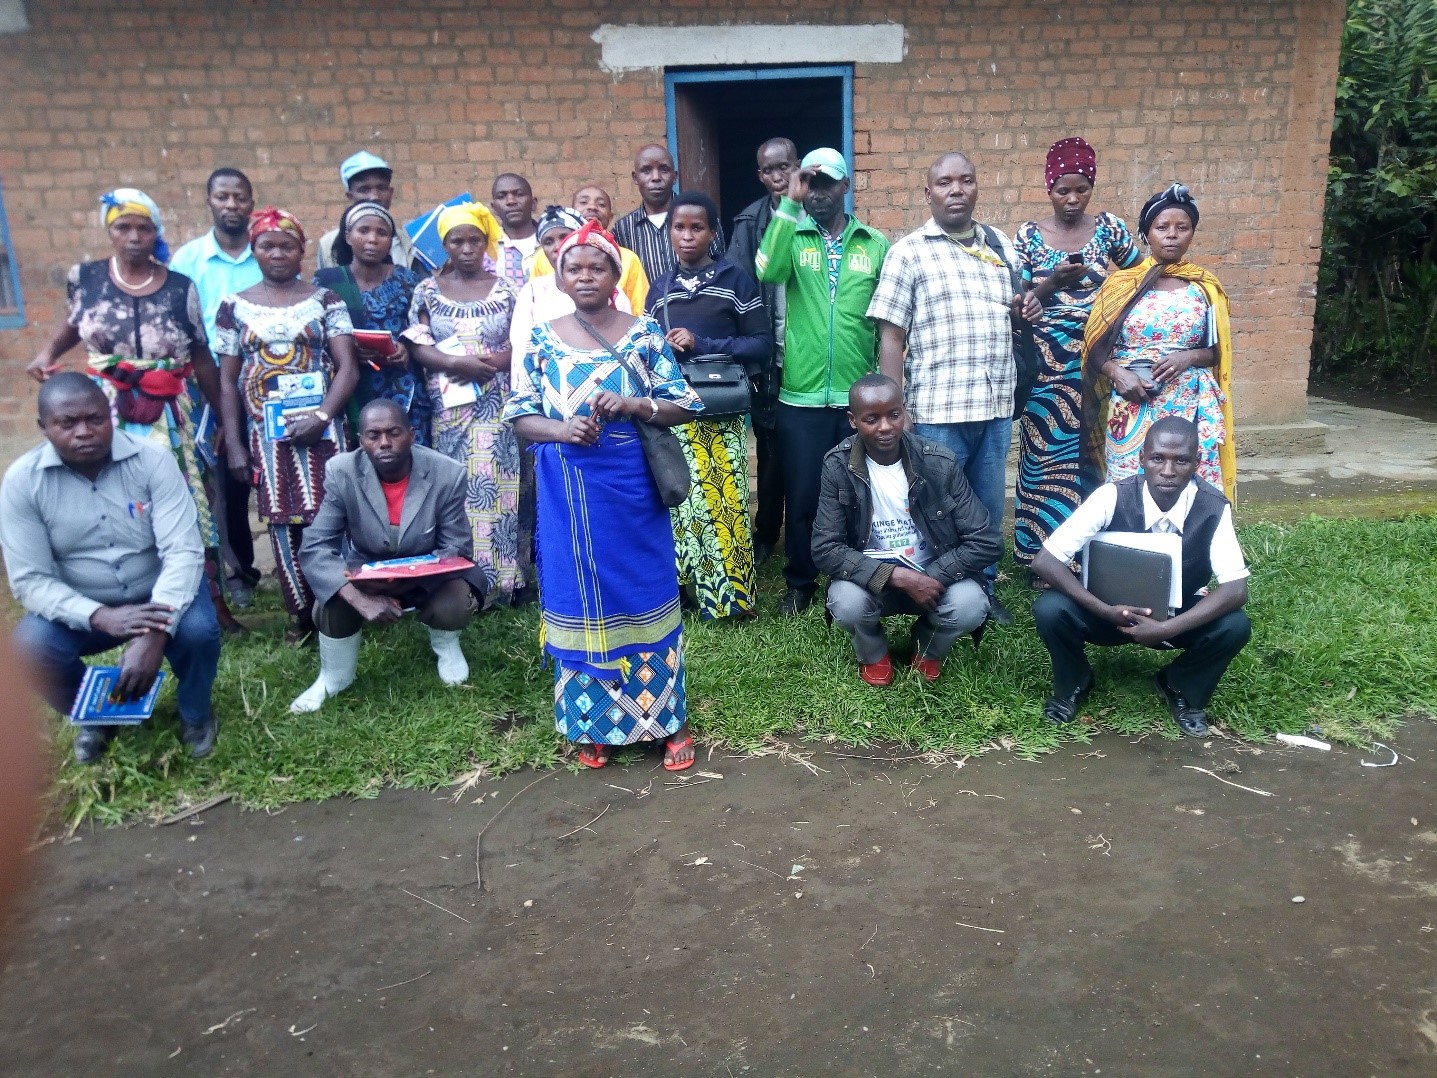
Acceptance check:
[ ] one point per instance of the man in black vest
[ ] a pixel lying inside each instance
(1210, 628)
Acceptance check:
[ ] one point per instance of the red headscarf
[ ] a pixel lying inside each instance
(271, 219)
(1070, 157)
(593, 235)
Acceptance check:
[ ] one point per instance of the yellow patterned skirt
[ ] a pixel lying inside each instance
(711, 527)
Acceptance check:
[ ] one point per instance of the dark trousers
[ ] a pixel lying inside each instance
(804, 436)
(447, 605)
(57, 652)
(768, 521)
(238, 539)
(1065, 627)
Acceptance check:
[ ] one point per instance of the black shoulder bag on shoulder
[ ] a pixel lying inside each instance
(661, 446)
(720, 381)
(1025, 348)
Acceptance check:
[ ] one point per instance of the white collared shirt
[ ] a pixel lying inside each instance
(1095, 514)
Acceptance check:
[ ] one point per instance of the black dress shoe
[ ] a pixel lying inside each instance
(998, 613)
(1191, 720)
(1061, 710)
(91, 743)
(761, 553)
(199, 738)
(795, 602)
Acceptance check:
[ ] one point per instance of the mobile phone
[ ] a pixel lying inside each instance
(1076, 258)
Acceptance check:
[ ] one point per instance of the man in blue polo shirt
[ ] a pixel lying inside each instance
(221, 263)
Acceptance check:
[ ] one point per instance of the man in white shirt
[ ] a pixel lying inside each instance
(1210, 627)
(512, 200)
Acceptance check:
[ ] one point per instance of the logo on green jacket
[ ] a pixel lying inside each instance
(859, 262)
(809, 258)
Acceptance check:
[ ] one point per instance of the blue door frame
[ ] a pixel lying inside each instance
(763, 74)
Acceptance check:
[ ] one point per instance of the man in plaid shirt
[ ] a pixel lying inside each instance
(946, 295)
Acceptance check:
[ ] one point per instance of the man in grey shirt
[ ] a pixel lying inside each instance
(102, 549)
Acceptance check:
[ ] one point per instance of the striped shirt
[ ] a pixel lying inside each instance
(954, 306)
(651, 242)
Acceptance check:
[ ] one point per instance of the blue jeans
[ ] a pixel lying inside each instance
(56, 651)
(982, 451)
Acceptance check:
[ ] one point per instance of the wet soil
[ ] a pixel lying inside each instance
(1104, 909)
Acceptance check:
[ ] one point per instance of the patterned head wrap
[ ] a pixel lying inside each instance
(592, 234)
(1070, 157)
(360, 210)
(271, 219)
(476, 214)
(557, 217)
(125, 201)
(1176, 197)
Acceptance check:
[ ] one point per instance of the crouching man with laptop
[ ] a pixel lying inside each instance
(1209, 627)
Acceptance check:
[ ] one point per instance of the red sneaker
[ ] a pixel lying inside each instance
(929, 668)
(879, 673)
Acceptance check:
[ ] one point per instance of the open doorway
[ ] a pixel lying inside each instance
(718, 118)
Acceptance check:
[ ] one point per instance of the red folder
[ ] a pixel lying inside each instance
(413, 572)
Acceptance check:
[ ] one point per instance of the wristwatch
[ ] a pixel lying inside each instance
(321, 415)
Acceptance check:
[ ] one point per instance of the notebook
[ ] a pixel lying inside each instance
(421, 565)
(95, 704)
(1122, 574)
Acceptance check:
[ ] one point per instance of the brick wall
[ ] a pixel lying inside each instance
(1233, 98)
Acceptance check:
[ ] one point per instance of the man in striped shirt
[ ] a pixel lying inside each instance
(645, 231)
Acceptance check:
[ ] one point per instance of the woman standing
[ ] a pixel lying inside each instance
(1158, 343)
(283, 326)
(378, 294)
(711, 307)
(1065, 259)
(142, 327)
(459, 333)
(608, 586)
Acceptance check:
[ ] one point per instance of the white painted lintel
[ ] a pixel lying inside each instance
(640, 48)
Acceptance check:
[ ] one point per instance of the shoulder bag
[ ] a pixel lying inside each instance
(1025, 348)
(661, 446)
(720, 381)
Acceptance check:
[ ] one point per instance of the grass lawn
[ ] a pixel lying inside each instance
(1346, 640)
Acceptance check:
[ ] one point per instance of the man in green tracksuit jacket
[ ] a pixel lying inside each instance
(829, 263)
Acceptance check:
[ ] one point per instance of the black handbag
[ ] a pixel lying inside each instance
(661, 446)
(720, 381)
(1025, 346)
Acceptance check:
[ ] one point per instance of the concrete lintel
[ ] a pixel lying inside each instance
(13, 19)
(640, 48)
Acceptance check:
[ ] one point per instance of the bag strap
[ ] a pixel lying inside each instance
(342, 281)
(619, 358)
(990, 236)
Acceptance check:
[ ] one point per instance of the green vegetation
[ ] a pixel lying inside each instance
(1345, 641)
(1377, 285)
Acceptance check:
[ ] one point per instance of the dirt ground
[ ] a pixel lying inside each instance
(1104, 910)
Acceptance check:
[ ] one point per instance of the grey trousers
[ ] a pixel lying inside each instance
(961, 610)
(445, 605)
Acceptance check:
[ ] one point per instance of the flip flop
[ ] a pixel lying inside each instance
(589, 755)
(672, 749)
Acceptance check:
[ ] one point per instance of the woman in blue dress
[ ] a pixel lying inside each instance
(1065, 260)
(378, 294)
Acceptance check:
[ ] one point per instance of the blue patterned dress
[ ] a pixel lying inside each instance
(608, 583)
(386, 306)
(1050, 428)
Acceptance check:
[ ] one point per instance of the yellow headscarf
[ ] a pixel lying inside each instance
(476, 214)
(1118, 293)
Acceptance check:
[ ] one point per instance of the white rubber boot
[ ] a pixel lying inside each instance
(453, 667)
(338, 661)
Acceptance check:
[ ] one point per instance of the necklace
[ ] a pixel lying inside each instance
(120, 277)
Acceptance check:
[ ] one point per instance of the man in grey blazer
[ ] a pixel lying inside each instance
(387, 499)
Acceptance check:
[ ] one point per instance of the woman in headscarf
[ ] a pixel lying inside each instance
(711, 307)
(608, 585)
(142, 327)
(1159, 343)
(459, 333)
(378, 294)
(283, 326)
(1065, 259)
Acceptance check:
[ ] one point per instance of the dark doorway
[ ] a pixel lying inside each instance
(718, 118)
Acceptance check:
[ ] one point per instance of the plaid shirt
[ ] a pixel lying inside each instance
(954, 308)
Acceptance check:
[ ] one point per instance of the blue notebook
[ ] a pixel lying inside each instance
(424, 233)
(94, 706)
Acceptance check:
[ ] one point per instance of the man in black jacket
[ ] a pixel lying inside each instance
(899, 531)
(777, 159)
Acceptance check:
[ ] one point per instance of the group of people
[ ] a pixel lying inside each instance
(567, 408)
